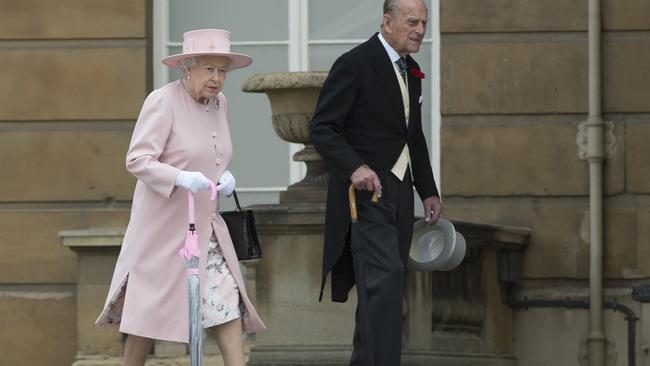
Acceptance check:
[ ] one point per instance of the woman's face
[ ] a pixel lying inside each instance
(208, 77)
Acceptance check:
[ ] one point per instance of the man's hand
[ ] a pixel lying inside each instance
(365, 179)
(432, 209)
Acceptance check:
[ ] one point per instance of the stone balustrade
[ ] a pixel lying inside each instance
(456, 317)
(97, 251)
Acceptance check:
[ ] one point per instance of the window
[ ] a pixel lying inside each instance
(283, 35)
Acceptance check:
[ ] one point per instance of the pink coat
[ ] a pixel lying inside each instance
(173, 133)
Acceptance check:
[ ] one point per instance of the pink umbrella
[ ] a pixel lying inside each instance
(190, 251)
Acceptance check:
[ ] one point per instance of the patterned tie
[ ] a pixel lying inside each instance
(401, 65)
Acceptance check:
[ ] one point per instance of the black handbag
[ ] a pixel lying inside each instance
(241, 225)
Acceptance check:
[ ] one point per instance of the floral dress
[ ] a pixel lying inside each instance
(220, 302)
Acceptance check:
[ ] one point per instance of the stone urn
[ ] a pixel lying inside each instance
(301, 330)
(293, 97)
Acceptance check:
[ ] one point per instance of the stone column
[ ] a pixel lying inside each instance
(301, 331)
(96, 256)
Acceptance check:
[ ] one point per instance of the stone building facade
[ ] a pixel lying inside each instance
(514, 89)
(73, 79)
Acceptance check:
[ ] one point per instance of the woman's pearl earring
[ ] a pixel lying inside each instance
(188, 77)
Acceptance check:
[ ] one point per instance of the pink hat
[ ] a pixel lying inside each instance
(208, 42)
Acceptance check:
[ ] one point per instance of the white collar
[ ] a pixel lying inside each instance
(394, 56)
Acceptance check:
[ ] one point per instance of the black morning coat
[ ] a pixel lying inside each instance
(359, 119)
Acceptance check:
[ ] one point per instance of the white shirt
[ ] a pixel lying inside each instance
(394, 56)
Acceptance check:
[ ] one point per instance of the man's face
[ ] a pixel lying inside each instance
(405, 29)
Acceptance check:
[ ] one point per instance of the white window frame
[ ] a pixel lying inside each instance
(298, 49)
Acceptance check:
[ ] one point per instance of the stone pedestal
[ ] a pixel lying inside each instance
(97, 251)
(301, 331)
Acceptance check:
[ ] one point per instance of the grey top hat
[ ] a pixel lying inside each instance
(436, 247)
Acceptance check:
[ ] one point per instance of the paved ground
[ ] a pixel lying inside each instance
(208, 360)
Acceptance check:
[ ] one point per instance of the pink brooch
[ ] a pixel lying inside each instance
(417, 73)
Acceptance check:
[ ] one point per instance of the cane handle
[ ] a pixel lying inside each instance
(352, 197)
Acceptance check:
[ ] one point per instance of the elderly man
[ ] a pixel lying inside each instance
(367, 126)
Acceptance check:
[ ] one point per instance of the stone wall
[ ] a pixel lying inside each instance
(74, 76)
(514, 88)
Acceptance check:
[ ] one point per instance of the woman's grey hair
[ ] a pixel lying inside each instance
(189, 63)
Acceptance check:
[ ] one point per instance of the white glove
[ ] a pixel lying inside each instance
(226, 183)
(193, 181)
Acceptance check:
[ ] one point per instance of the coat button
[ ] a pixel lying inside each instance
(218, 161)
(214, 134)
(214, 216)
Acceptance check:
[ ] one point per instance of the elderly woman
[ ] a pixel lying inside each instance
(181, 139)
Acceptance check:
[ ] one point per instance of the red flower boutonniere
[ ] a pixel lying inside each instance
(417, 73)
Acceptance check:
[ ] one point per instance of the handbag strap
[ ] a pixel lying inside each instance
(234, 194)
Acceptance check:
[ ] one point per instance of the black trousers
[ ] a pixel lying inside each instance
(384, 280)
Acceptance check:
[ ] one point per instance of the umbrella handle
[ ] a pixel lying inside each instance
(191, 217)
(352, 197)
(353, 202)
